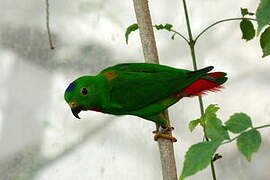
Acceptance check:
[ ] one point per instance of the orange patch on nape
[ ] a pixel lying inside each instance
(109, 75)
(201, 87)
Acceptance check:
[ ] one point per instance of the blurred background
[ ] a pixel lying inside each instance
(41, 140)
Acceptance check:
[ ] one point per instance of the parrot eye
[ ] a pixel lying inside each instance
(84, 91)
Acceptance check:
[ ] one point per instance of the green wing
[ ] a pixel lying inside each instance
(137, 85)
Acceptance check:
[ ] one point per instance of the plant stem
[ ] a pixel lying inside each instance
(218, 22)
(193, 55)
(178, 33)
(181, 35)
(259, 127)
(151, 56)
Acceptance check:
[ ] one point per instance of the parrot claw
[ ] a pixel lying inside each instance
(168, 129)
(165, 134)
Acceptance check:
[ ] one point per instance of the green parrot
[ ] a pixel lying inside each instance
(139, 89)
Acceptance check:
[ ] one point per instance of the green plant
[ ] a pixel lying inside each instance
(248, 138)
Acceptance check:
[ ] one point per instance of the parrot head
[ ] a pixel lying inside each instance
(80, 95)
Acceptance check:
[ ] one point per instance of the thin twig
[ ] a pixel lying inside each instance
(48, 25)
(193, 55)
(151, 56)
(181, 35)
(178, 33)
(218, 22)
(259, 127)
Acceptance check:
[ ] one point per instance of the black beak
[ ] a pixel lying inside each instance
(76, 110)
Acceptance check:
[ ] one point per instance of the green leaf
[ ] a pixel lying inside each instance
(213, 126)
(262, 14)
(198, 157)
(215, 130)
(244, 11)
(212, 108)
(167, 27)
(238, 122)
(131, 28)
(265, 42)
(249, 143)
(210, 111)
(247, 28)
(193, 124)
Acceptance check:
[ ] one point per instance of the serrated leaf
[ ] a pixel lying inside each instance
(211, 110)
(158, 27)
(244, 11)
(198, 157)
(215, 130)
(265, 42)
(167, 27)
(262, 14)
(238, 122)
(131, 28)
(247, 29)
(249, 143)
(193, 124)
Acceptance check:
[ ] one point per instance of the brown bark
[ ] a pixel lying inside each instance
(151, 56)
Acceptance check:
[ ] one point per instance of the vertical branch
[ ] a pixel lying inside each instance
(48, 24)
(193, 55)
(192, 50)
(151, 56)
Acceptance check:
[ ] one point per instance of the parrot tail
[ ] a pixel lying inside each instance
(209, 82)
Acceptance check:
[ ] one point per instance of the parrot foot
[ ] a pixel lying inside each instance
(164, 130)
(164, 134)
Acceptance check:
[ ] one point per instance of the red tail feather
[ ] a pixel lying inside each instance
(201, 86)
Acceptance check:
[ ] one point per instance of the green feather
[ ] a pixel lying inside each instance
(140, 89)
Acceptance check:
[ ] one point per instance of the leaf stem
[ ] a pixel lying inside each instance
(180, 35)
(259, 127)
(218, 22)
(193, 55)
